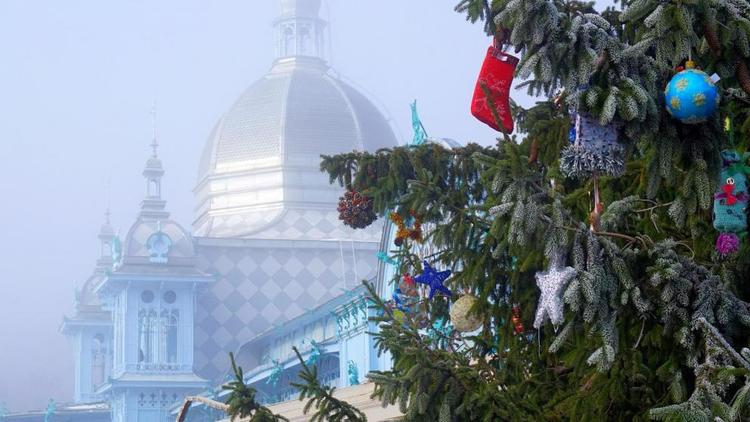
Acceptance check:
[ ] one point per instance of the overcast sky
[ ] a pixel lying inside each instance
(77, 81)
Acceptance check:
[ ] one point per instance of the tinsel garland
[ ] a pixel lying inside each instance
(577, 161)
(404, 232)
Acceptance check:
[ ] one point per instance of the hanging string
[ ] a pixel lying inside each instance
(354, 262)
(598, 206)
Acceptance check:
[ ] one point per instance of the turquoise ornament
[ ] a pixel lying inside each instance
(276, 372)
(730, 202)
(352, 372)
(691, 96)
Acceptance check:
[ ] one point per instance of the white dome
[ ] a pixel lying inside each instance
(264, 154)
(297, 109)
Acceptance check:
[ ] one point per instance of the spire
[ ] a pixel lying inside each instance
(106, 234)
(153, 205)
(154, 140)
(107, 201)
(299, 30)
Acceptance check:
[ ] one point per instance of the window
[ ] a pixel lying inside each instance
(288, 43)
(169, 296)
(153, 188)
(169, 325)
(304, 40)
(98, 356)
(147, 336)
(158, 331)
(147, 296)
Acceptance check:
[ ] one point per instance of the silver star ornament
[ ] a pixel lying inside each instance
(551, 284)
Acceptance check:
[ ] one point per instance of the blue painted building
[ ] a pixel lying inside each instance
(134, 323)
(267, 264)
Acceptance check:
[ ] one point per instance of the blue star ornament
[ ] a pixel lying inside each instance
(434, 279)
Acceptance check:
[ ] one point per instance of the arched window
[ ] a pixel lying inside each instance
(153, 188)
(98, 356)
(147, 336)
(158, 331)
(303, 39)
(169, 326)
(288, 44)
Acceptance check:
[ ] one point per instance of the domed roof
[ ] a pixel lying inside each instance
(85, 297)
(263, 157)
(260, 170)
(296, 110)
(136, 243)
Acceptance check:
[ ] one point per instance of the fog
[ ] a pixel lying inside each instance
(77, 83)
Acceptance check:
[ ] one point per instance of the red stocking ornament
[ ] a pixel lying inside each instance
(493, 90)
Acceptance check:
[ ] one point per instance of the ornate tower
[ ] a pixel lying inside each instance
(152, 293)
(91, 327)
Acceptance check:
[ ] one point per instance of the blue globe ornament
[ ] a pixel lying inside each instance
(691, 95)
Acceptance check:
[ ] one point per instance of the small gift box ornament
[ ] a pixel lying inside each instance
(491, 101)
(594, 149)
(730, 202)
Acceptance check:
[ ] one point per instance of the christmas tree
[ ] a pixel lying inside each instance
(593, 266)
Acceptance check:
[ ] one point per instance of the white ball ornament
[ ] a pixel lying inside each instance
(460, 318)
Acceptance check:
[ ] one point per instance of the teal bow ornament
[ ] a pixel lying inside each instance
(440, 333)
(382, 256)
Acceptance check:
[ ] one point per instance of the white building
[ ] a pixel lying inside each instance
(268, 264)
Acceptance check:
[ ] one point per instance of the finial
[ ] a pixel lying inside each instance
(420, 134)
(107, 201)
(154, 141)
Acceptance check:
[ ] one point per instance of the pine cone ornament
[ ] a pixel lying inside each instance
(533, 151)
(743, 76)
(356, 209)
(712, 38)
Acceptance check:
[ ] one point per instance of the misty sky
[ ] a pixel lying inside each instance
(77, 82)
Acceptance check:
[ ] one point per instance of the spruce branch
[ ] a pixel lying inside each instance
(327, 407)
(242, 403)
